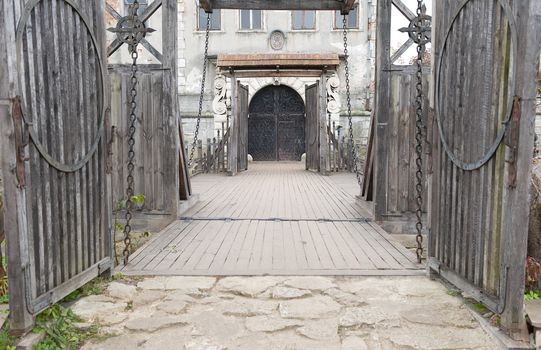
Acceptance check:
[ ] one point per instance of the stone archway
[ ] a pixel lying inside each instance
(276, 125)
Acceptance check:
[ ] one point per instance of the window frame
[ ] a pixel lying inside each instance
(202, 27)
(339, 26)
(251, 29)
(303, 20)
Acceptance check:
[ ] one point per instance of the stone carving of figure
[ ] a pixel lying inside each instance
(219, 105)
(333, 98)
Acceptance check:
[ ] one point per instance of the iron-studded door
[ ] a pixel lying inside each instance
(312, 127)
(58, 202)
(276, 125)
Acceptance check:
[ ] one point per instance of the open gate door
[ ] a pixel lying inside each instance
(317, 157)
(54, 150)
(237, 152)
(242, 98)
(479, 169)
(312, 127)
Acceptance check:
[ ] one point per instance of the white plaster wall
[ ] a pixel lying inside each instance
(229, 40)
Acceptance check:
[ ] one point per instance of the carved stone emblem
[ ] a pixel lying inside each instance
(219, 104)
(333, 98)
(277, 40)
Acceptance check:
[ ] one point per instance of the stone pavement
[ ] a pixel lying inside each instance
(281, 313)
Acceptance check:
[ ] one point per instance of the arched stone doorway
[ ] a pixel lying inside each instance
(276, 124)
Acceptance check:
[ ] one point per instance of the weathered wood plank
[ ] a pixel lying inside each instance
(254, 242)
(335, 5)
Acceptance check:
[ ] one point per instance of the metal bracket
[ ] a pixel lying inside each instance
(511, 140)
(20, 141)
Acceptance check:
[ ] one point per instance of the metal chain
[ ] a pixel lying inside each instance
(131, 135)
(419, 133)
(202, 94)
(348, 99)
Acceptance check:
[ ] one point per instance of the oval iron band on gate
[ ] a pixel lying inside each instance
(67, 168)
(513, 71)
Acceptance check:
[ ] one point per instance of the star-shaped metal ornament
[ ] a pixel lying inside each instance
(129, 29)
(421, 24)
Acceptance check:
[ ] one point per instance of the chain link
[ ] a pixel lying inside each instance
(131, 135)
(419, 133)
(353, 150)
(202, 94)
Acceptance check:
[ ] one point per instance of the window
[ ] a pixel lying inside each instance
(304, 20)
(352, 19)
(215, 20)
(250, 19)
(143, 4)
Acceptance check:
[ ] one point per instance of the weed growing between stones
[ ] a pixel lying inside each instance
(60, 327)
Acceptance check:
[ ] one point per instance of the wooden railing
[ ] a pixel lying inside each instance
(213, 157)
(340, 151)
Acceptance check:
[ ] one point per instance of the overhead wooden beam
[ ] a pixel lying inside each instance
(206, 5)
(348, 6)
(277, 61)
(275, 74)
(400, 6)
(332, 5)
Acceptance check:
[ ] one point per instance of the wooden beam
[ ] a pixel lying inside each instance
(347, 6)
(277, 61)
(206, 5)
(276, 74)
(516, 210)
(331, 5)
(382, 103)
(232, 151)
(400, 6)
(324, 164)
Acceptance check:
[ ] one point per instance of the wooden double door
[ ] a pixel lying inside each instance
(276, 125)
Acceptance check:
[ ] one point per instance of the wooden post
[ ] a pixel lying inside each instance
(324, 164)
(170, 105)
(383, 91)
(15, 228)
(199, 162)
(515, 200)
(232, 158)
(222, 151)
(21, 320)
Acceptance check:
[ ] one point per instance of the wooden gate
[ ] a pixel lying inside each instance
(54, 150)
(159, 157)
(484, 97)
(312, 127)
(243, 99)
(395, 166)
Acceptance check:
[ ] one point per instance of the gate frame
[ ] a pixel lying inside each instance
(320, 74)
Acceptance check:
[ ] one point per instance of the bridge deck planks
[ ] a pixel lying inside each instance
(277, 219)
